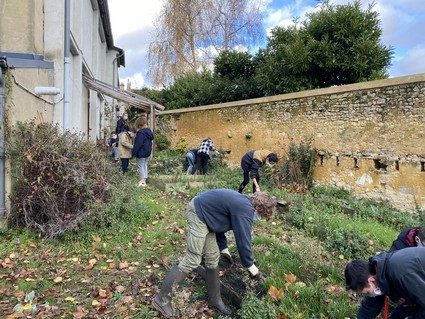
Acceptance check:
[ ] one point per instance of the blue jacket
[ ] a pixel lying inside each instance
(143, 143)
(223, 210)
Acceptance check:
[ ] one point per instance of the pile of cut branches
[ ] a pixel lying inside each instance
(55, 178)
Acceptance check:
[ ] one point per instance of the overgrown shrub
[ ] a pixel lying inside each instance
(182, 146)
(295, 171)
(161, 141)
(55, 177)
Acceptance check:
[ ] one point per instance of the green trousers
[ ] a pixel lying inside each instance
(200, 241)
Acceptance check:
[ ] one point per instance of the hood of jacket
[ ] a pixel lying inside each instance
(378, 265)
(147, 132)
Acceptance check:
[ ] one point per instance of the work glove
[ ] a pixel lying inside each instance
(226, 255)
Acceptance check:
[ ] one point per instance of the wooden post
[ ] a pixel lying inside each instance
(152, 125)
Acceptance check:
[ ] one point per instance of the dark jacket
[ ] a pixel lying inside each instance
(405, 239)
(121, 126)
(401, 277)
(253, 160)
(143, 143)
(371, 307)
(223, 210)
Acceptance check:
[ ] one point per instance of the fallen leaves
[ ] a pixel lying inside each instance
(123, 265)
(7, 263)
(275, 293)
(58, 280)
(165, 261)
(334, 289)
(80, 313)
(179, 230)
(290, 278)
(91, 264)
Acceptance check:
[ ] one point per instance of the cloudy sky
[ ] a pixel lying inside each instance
(403, 23)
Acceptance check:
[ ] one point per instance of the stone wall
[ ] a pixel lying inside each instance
(370, 136)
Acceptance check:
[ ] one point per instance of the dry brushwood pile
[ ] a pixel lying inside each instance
(55, 177)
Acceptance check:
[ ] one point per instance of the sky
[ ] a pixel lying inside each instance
(402, 22)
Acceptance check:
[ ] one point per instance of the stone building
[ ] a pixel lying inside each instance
(59, 46)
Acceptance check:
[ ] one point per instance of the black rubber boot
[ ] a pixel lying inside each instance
(162, 300)
(213, 289)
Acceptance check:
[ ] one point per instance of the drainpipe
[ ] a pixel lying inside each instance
(67, 111)
(2, 153)
(114, 71)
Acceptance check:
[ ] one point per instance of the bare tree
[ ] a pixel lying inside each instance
(190, 33)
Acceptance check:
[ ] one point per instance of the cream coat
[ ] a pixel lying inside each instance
(125, 145)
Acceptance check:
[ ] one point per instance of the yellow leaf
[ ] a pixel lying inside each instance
(28, 306)
(70, 299)
(95, 303)
(92, 261)
(57, 280)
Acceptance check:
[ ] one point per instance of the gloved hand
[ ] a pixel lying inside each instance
(256, 274)
(226, 255)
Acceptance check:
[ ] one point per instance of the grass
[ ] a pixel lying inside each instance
(140, 234)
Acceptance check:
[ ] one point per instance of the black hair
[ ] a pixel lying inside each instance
(356, 275)
(421, 234)
(273, 158)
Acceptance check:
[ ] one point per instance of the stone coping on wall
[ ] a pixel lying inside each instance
(414, 78)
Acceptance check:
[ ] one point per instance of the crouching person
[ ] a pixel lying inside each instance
(215, 211)
(399, 275)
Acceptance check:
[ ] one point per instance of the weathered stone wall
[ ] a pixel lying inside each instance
(358, 129)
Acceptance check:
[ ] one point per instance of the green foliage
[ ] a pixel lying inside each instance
(336, 45)
(192, 89)
(339, 44)
(350, 244)
(182, 146)
(254, 308)
(161, 141)
(234, 65)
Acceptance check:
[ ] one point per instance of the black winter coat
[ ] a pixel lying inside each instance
(121, 126)
(401, 277)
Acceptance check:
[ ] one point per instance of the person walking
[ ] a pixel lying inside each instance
(215, 211)
(142, 148)
(250, 164)
(125, 147)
